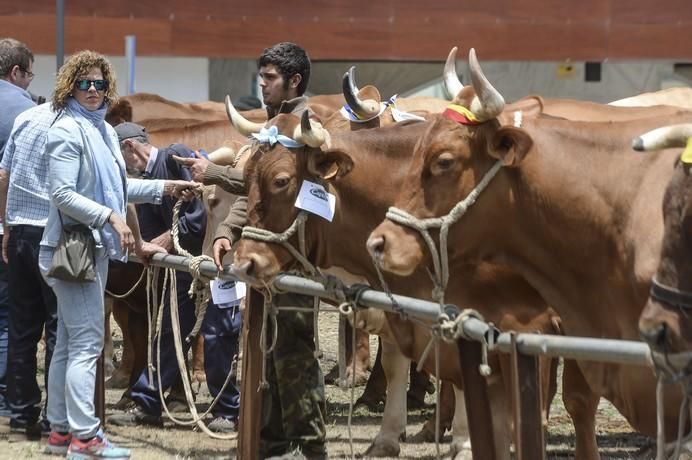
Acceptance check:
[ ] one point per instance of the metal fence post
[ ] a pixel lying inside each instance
(250, 394)
(477, 402)
(529, 436)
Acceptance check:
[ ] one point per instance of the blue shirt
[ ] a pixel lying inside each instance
(13, 100)
(26, 160)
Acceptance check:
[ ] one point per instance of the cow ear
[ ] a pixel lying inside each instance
(510, 145)
(332, 164)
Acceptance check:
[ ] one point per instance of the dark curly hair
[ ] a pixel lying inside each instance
(289, 59)
(79, 65)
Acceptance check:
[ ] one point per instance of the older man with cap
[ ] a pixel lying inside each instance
(221, 325)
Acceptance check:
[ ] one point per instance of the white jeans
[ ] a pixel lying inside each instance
(72, 376)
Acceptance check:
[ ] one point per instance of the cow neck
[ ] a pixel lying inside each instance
(440, 277)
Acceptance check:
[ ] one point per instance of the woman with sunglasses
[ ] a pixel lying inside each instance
(88, 185)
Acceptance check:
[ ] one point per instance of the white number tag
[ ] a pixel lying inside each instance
(315, 199)
(227, 293)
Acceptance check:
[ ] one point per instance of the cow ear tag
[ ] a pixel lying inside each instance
(686, 156)
(314, 199)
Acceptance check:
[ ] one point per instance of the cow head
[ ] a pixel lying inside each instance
(666, 321)
(273, 176)
(449, 161)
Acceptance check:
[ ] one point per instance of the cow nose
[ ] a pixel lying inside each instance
(655, 336)
(375, 245)
(244, 268)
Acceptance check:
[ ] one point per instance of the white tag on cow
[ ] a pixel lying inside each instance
(315, 199)
(398, 115)
(227, 293)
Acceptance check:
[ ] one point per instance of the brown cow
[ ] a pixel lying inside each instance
(665, 322)
(273, 176)
(572, 210)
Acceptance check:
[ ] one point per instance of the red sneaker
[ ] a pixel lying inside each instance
(97, 447)
(58, 443)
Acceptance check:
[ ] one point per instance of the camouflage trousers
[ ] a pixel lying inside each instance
(293, 408)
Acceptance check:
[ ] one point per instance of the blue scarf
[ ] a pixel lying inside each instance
(109, 169)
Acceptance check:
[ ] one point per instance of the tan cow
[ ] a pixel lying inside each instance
(570, 209)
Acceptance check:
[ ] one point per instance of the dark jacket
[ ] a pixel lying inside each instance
(155, 220)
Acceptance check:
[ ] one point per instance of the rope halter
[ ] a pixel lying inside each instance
(423, 226)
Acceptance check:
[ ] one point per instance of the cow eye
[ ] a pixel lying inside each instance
(281, 180)
(442, 163)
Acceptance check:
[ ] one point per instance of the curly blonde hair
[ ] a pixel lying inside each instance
(79, 65)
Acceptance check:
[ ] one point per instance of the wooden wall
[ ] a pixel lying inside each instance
(421, 30)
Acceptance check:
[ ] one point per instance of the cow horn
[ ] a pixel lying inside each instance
(242, 124)
(310, 132)
(663, 138)
(452, 83)
(222, 156)
(364, 109)
(488, 103)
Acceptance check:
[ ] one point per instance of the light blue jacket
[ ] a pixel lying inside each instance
(72, 180)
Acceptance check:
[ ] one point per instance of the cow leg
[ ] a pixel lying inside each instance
(461, 439)
(121, 376)
(376, 387)
(362, 358)
(419, 382)
(198, 359)
(396, 366)
(447, 409)
(581, 404)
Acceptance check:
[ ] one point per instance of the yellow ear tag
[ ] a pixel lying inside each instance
(686, 156)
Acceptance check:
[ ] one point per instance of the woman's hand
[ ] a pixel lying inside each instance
(180, 188)
(127, 239)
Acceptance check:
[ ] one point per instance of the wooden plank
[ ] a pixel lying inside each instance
(250, 396)
(366, 30)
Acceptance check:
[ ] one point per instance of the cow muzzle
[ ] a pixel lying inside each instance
(395, 249)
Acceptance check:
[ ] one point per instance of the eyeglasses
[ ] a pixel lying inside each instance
(29, 74)
(84, 85)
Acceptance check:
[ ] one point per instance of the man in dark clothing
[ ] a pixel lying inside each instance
(221, 326)
(16, 73)
(294, 406)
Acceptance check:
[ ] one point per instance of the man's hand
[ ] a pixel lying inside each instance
(221, 247)
(5, 242)
(144, 250)
(198, 166)
(164, 240)
(177, 188)
(127, 239)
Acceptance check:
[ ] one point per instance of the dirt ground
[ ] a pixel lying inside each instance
(615, 438)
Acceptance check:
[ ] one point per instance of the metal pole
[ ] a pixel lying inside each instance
(582, 348)
(130, 55)
(59, 33)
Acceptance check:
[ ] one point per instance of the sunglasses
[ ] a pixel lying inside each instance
(84, 85)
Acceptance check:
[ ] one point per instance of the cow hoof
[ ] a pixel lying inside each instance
(413, 402)
(424, 435)
(381, 448)
(371, 404)
(118, 380)
(108, 368)
(199, 376)
(460, 450)
(332, 377)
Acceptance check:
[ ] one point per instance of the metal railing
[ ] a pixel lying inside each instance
(524, 349)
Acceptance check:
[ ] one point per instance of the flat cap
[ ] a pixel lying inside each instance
(129, 130)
